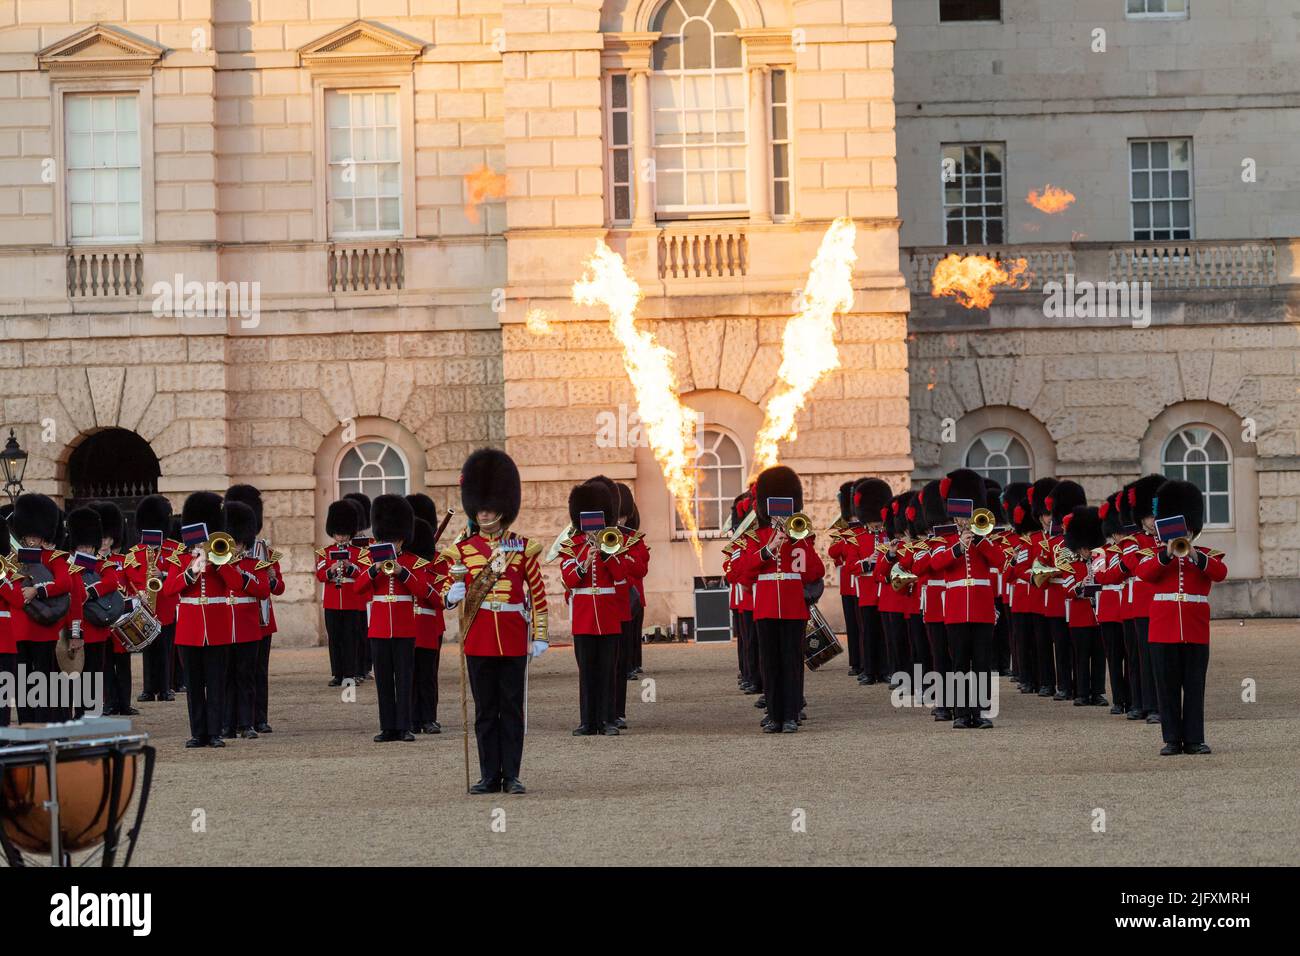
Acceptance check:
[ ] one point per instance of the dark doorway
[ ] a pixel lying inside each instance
(114, 465)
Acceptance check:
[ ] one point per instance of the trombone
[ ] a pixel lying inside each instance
(610, 540)
(220, 548)
(1180, 547)
(982, 522)
(797, 527)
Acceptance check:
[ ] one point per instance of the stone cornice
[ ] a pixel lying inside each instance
(362, 44)
(101, 50)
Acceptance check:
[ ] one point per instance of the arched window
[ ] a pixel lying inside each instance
(719, 477)
(1199, 454)
(1000, 455)
(697, 95)
(373, 467)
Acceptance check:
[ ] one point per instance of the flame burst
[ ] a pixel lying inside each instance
(482, 184)
(669, 425)
(1051, 200)
(971, 279)
(538, 322)
(808, 351)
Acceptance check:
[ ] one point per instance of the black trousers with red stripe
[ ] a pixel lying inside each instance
(753, 652)
(1022, 630)
(1043, 648)
(781, 653)
(872, 634)
(940, 657)
(1178, 671)
(850, 604)
(205, 683)
(1089, 663)
(1112, 640)
(394, 661)
(972, 655)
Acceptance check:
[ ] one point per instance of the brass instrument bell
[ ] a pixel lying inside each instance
(798, 526)
(611, 540)
(1180, 547)
(982, 522)
(220, 548)
(900, 579)
(389, 566)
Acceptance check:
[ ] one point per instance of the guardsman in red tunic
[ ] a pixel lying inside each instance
(262, 551)
(205, 624)
(893, 600)
(1142, 498)
(149, 561)
(429, 626)
(1128, 542)
(1083, 551)
(1038, 601)
(245, 600)
(931, 585)
(11, 604)
(392, 580)
(590, 572)
(965, 560)
(1110, 574)
(92, 577)
(636, 564)
(117, 660)
(748, 679)
(778, 567)
(1179, 637)
(362, 540)
(843, 552)
(1025, 603)
(35, 523)
(870, 498)
(509, 625)
(1008, 536)
(1065, 497)
(630, 521)
(344, 608)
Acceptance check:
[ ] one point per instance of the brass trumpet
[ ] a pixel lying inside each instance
(388, 567)
(220, 548)
(982, 521)
(1180, 547)
(611, 541)
(798, 526)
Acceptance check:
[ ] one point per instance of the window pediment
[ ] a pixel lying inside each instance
(361, 44)
(101, 50)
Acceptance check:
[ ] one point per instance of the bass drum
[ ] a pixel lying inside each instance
(819, 642)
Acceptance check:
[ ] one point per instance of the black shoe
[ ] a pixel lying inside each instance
(405, 736)
(750, 689)
(609, 730)
(486, 786)
(761, 703)
(145, 698)
(335, 682)
(1201, 748)
(1116, 709)
(621, 723)
(430, 728)
(771, 727)
(1153, 718)
(942, 713)
(1046, 692)
(228, 733)
(866, 681)
(383, 737)
(1028, 689)
(216, 742)
(790, 727)
(169, 696)
(1060, 695)
(981, 723)
(582, 730)
(514, 786)
(1098, 700)
(359, 679)
(1080, 702)
(195, 742)
(1170, 750)
(854, 672)
(248, 733)
(1134, 715)
(962, 723)
(264, 728)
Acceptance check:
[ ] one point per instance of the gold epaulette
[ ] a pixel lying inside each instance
(566, 550)
(75, 568)
(129, 561)
(633, 538)
(275, 556)
(451, 553)
(1215, 554)
(364, 557)
(532, 547)
(419, 563)
(261, 564)
(174, 558)
(56, 553)
(322, 552)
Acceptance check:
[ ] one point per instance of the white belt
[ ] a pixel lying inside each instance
(4, 613)
(391, 598)
(1182, 598)
(432, 612)
(968, 583)
(1112, 587)
(781, 576)
(595, 591)
(501, 607)
(218, 600)
(343, 580)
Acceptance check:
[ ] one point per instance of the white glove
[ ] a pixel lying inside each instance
(456, 594)
(539, 648)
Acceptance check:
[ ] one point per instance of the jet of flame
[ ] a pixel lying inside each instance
(668, 424)
(971, 279)
(1051, 200)
(808, 351)
(482, 183)
(538, 322)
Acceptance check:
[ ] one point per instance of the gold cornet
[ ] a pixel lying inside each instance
(982, 521)
(611, 541)
(220, 548)
(798, 526)
(1180, 547)
(389, 566)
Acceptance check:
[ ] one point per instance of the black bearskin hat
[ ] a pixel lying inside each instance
(993, 501)
(963, 483)
(610, 485)
(421, 543)
(204, 506)
(1065, 497)
(913, 513)
(1038, 494)
(845, 499)
(424, 508)
(626, 502)
(173, 529)
(241, 523)
(363, 503)
(779, 481)
(35, 515)
(247, 495)
(1125, 508)
(1141, 497)
(342, 518)
(110, 515)
(591, 496)
(870, 496)
(1011, 495)
(932, 504)
(1112, 523)
(489, 481)
(392, 519)
(1176, 497)
(1022, 516)
(896, 515)
(85, 530)
(6, 548)
(154, 513)
(1083, 529)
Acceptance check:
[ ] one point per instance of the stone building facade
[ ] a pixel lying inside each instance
(306, 161)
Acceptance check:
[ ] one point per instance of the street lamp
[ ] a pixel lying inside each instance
(14, 461)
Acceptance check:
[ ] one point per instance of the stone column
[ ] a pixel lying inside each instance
(760, 145)
(643, 183)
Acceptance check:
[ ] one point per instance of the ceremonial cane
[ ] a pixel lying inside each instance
(458, 573)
